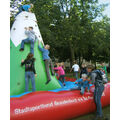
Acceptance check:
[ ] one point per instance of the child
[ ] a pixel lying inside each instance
(27, 8)
(61, 73)
(31, 37)
(84, 83)
(76, 69)
(29, 71)
(47, 61)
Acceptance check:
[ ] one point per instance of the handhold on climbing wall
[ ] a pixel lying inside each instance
(26, 16)
(14, 28)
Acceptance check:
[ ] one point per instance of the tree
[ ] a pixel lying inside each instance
(72, 30)
(14, 5)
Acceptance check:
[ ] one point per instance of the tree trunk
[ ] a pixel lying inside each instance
(95, 64)
(72, 52)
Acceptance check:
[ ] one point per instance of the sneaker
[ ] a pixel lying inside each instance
(47, 82)
(21, 49)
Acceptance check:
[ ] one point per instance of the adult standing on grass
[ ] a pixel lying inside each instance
(96, 79)
(76, 69)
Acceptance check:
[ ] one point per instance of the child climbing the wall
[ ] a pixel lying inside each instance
(31, 38)
(83, 83)
(30, 72)
(27, 8)
(47, 60)
(61, 73)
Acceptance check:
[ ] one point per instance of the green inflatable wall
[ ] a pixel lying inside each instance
(17, 73)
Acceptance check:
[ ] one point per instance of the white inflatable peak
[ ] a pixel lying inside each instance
(22, 20)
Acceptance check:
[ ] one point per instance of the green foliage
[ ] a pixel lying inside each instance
(72, 29)
(14, 5)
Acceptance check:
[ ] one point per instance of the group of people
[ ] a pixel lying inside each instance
(29, 61)
(30, 72)
(76, 69)
(88, 74)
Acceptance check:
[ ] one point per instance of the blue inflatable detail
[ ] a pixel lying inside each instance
(17, 96)
(68, 86)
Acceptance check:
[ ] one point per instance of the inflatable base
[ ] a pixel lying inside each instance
(62, 105)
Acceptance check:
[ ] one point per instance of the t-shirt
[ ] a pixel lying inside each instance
(75, 67)
(61, 70)
(30, 34)
(26, 7)
(45, 53)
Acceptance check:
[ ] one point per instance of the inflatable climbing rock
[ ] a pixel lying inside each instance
(17, 73)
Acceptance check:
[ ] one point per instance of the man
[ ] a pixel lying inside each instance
(47, 61)
(31, 38)
(76, 69)
(96, 79)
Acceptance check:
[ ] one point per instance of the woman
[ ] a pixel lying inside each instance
(29, 71)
